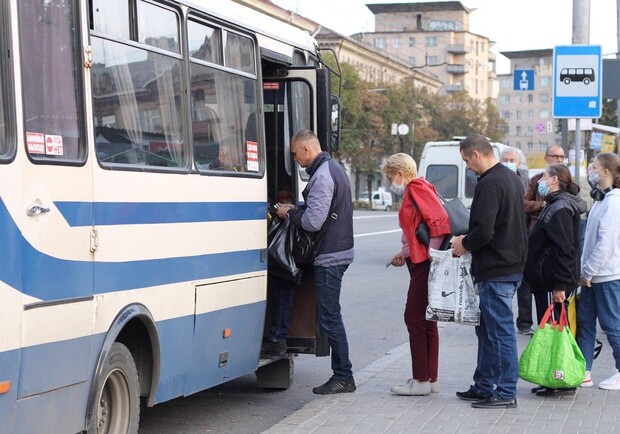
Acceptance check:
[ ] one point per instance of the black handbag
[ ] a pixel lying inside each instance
(459, 221)
(281, 238)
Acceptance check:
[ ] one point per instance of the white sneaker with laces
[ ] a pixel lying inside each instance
(435, 386)
(412, 388)
(612, 383)
(587, 380)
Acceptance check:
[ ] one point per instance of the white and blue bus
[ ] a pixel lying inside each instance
(141, 143)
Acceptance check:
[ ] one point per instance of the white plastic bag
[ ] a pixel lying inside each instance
(452, 295)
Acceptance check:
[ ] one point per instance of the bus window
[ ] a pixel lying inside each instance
(239, 53)
(137, 97)
(444, 178)
(204, 42)
(112, 17)
(224, 104)
(48, 35)
(5, 146)
(158, 27)
(300, 112)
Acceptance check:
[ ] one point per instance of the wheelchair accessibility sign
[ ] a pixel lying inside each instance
(577, 81)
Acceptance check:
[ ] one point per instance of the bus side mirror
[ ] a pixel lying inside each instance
(335, 133)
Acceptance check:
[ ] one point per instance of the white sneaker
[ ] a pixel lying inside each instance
(587, 380)
(412, 388)
(435, 386)
(612, 383)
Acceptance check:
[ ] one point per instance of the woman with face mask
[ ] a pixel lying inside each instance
(600, 267)
(401, 170)
(552, 265)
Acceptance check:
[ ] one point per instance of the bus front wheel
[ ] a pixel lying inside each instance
(117, 404)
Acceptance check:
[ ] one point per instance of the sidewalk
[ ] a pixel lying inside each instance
(372, 409)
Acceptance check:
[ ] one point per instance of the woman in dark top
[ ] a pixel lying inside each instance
(552, 266)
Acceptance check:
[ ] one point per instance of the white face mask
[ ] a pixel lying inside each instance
(511, 166)
(398, 189)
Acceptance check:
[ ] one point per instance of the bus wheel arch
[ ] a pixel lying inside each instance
(134, 329)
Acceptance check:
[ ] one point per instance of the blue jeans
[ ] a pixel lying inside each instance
(498, 359)
(600, 301)
(328, 281)
(281, 303)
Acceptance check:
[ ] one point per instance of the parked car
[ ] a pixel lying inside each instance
(381, 200)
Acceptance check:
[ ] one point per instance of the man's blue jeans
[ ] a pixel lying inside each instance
(328, 281)
(498, 359)
(600, 301)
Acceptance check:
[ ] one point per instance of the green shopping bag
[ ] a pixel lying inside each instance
(552, 357)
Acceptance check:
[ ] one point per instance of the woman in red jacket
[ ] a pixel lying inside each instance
(402, 172)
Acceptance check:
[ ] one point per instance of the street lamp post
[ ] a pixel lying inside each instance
(400, 130)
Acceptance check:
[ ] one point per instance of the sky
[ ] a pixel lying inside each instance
(514, 26)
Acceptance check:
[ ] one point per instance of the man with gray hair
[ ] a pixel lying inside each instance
(328, 212)
(510, 158)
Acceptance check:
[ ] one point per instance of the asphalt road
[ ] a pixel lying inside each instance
(372, 302)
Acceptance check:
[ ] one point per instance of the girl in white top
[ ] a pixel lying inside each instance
(600, 267)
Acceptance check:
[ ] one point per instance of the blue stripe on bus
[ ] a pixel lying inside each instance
(142, 213)
(190, 351)
(49, 278)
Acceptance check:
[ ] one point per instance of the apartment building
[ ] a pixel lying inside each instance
(434, 37)
(525, 102)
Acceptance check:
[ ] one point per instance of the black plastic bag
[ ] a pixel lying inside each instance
(281, 238)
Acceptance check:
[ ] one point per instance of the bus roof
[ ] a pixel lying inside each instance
(260, 23)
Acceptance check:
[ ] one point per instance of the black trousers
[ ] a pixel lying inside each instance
(524, 303)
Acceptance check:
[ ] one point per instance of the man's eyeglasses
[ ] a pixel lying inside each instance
(555, 156)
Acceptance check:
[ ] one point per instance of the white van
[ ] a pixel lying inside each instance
(381, 200)
(441, 164)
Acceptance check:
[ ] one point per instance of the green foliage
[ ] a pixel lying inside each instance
(610, 114)
(368, 113)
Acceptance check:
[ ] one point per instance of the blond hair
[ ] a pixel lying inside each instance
(400, 162)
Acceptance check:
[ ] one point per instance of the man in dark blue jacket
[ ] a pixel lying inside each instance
(497, 239)
(327, 196)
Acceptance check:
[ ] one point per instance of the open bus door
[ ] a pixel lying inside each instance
(296, 99)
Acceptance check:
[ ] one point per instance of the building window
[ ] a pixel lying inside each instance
(518, 130)
(544, 81)
(544, 114)
(530, 146)
(505, 99)
(530, 98)
(530, 129)
(530, 114)
(506, 83)
(396, 42)
(412, 42)
(505, 115)
(431, 41)
(518, 98)
(544, 146)
(412, 60)
(518, 145)
(432, 60)
(379, 42)
(518, 114)
(544, 97)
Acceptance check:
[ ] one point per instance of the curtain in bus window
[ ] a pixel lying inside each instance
(224, 122)
(137, 106)
(49, 70)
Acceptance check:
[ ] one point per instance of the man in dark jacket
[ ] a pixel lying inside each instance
(328, 211)
(497, 239)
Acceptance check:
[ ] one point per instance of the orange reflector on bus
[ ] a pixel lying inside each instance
(227, 333)
(5, 386)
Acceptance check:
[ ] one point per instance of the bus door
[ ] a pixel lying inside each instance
(292, 104)
(56, 208)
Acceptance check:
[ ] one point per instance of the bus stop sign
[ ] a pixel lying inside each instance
(577, 81)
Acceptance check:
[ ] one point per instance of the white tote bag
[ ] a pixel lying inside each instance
(452, 295)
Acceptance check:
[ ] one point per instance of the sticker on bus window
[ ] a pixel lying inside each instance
(271, 85)
(252, 155)
(35, 143)
(53, 145)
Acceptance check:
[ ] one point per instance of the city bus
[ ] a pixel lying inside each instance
(142, 143)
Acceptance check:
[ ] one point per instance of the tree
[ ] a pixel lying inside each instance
(609, 116)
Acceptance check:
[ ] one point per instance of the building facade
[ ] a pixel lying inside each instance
(527, 107)
(434, 37)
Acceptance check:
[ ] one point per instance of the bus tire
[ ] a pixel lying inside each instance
(586, 81)
(567, 80)
(116, 408)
